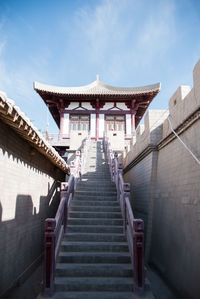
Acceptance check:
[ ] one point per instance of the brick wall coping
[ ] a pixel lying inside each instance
(17, 120)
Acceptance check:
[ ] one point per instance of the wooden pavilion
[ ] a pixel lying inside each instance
(96, 108)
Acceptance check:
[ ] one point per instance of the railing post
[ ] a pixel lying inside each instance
(82, 159)
(113, 169)
(116, 167)
(63, 194)
(126, 194)
(119, 171)
(72, 168)
(49, 256)
(109, 151)
(73, 187)
(109, 154)
(110, 162)
(138, 254)
(78, 155)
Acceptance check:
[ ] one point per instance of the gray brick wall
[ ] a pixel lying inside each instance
(165, 191)
(27, 196)
(165, 194)
(176, 223)
(140, 178)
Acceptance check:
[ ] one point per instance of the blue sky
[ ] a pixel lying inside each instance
(126, 42)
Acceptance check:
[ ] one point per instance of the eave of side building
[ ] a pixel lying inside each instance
(17, 120)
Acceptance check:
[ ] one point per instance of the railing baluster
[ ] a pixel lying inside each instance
(126, 194)
(64, 195)
(138, 253)
(119, 173)
(49, 256)
(116, 167)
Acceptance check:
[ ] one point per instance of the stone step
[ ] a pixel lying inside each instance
(95, 295)
(99, 162)
(94, 270)
(92, 179)
(94, 221)
(105, 176)
(85, 182)
(100, 179)
(97, 170)
(98, 203)
(97, 165)
(95, 214)
(100, 190)
(94, 284)
(93, 237)
(106, 209)
(95, 229)
(94, 246)
(89, 197)
(100, 176)
(96, 192)
(96, 187)
(94, 257)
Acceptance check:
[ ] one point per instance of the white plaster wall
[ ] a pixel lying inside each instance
(116, 139)
(128, 124)
(93, 125)
(101, 125)
(76, 139)
(66, 123)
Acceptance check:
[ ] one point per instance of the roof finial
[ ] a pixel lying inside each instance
(97, 77)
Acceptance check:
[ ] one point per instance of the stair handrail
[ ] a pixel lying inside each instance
(56, 227)
(133, 228)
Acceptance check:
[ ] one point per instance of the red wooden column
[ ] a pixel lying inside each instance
(133, 113)
(97, 119)
(97, 125)
(61, 122)
(132, 122)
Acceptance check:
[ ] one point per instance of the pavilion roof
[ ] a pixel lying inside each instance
(96, 88)
(136, 98)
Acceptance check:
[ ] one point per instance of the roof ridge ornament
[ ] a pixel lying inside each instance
(97, 77)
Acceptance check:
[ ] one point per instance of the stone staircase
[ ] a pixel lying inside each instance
(94, 261)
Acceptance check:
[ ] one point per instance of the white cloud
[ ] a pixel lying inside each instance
(118, 37)
(158, 33)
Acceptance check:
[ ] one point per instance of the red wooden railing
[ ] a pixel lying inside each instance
(133, 228)
(56, 227)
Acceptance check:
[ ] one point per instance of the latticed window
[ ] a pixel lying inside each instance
(79, 122)
(114, 122)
